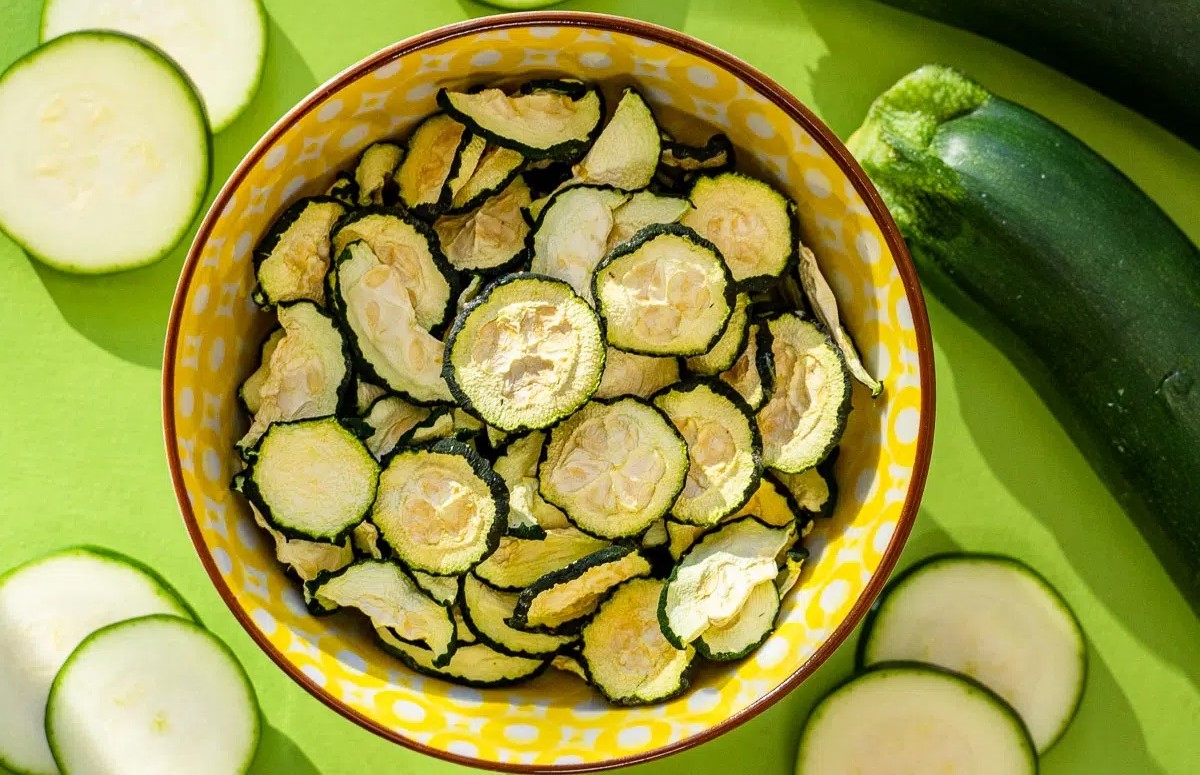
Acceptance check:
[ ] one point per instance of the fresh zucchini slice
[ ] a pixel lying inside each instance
(490, 237)
(815, 489)
(614, 468)
(749, 222)
(561, 600)
(546, 120)
(440, 507)
(626, 152)
(773, 502)
(497, 167)
(439, 151)
(626, 655)
(382, 327)
(291, 261)
(529, 515)
(374, 174)
(716, 155)
(389, 597)
(443, 589)
(366, 542)
(250, 393)
(724, 449)
(519, 562)
(571, 235)
(411, 248)
(664, 292)
(389, 418)
(307, 559)
(526, 353)
(365, 394)
(629, 374)
(682, 537)
(722, 355)
(656, 535)
(746, 631)
(753, 373)
(806, 414)
(789, 574)
(344, 189)
(474, 664)
(643, 209)
(308, 374)
(824, 305)
(713, 581)
(488, 610)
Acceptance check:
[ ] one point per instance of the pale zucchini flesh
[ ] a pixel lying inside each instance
(642, 209)
(490, 237)
(250, 392)
(497, 167)
(626, 152)
(389, 418)
(630, 374)
(475, 664)
(747, 630)
(373, 177)
(725, 352)
(824, 304)
(772, 502)
(291, 261)
(753, 373)
(519, 562)
(565, 597)
(436, 151)
(749, 222)
(545, 120)
(570, 236)
(529, 515)
(488, 610)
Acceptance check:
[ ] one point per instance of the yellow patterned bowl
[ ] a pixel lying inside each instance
(554, 724)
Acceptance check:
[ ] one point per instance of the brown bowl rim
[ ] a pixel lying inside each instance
(799, 113)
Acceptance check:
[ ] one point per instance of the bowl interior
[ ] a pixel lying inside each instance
(555, 719)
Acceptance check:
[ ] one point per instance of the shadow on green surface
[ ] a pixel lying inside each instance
(279, 755)
(668, 13)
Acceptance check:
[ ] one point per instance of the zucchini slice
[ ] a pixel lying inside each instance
(389, 597)
(806, 414)
(306, 559)
(308, 374)
(497, 167)
(749, 222)
(773, 502)
(571, 235)
(389, 418)
(438, 425)
(250, 392)
(474, 664)
(614, 468)
(713, 581)
(824, 305)
(629, 374)
(753, 373)
(664, 292)
(291, 261)
(656, 535)
(366, 394)
(625, 654)
(312, 479)
(488, 610)
(722, 355)
(789, 574)
(466, 635)
(382, 327)
(529, 515)
(443, 589)
(716, 155)
(519, 562)
(440, 150)
(561, 600)
(815, 489)
(545, 120)
(344, 189)
(570, 662)
(525, 354)
(746, 631)
(626, 152)
(724, 449)
(366, 542)
(440, 507)
(411, 247)
(373, 175)
(643, 209)
(682, 537)
(490, 237)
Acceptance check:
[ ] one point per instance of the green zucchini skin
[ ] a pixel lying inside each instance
(1142, 54)
(1067, 267)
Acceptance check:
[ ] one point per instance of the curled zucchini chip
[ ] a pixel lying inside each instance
(789, 574)
(626, 152)
(716, 155)
(307, 559)
(410, 247)
(466, 635)
(382, 327)
(570, 662)
(746, 631)
(614, 468)
(526, 353)
(753, 373)
(474, 664)
(644, 209)
(365, 394)
(443, 589)
(814, 489)
(714, 580)
(440, 507)
(724, 449)
(488, 610)
(373, 177)
(629, 374)
(806, 415)
(312, 479)
(389, 418)
(561, 600)
(772, 503)
(344, 189)
(664, 292)
(290, 262)
(529, 515)
(750, 222)
(490, 236)
(366, 542)
(681, 537)
(250, 392)
(546, 120)
(438, 425)
(519, 562)
(625, 653)
(722, 355)
(656, 535)
(389, 597)
(497, 167)
(824, 305)
(571, 235)
(439, 150)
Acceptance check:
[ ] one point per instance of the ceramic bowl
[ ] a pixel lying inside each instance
(554, 724)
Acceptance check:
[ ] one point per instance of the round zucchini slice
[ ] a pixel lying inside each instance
(625, 653)
(626, 152)
(753, 373)
(664, 292)
(487, 612)
(560, 601)
(614, 468)
(571, 235)
(390, 417)
(806, 414)
(373, 176)
(519, 562)
(725, 352)
(527, 353)
(724, 449)
(440, 158)
(746, 631)
(474, 664)
(749, 221)
(498, 166)
(489, 237)
(291, 261)
(643, 209)
(440, 507)
(629, 374)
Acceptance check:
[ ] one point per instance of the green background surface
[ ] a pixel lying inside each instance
(82, 450)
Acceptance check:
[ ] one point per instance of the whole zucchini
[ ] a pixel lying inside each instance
(1141, 53)
(1067, 267)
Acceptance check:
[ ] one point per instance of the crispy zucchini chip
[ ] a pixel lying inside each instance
(529, 515)
(746, 631)
(753, 373)
(561, 600)
(489, 237)
(390, 417)
(497, 167)
(519, 562)
(824, 304)
(722, 355)
(570, 237)
(749, 222)
(250, 392)
(629, 374)
(626, 153)
(290, 262)
(488, 610)
(473, 664)
(439, 150)
(373, 177)
(643, 209)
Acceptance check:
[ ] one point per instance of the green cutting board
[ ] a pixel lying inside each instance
(82, 452)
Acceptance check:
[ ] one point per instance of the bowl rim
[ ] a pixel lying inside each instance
(796, 111)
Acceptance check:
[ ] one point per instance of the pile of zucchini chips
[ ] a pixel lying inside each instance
(546, 390)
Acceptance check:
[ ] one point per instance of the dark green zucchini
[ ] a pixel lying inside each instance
(1079, 278)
